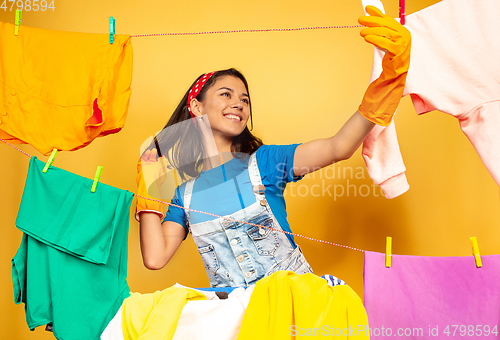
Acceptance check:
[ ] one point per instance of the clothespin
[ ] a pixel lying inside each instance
(402, 12)
(388, 252)
(97, 178)
(51, 159)
(18, 21)
(475, 252)
(111, 30)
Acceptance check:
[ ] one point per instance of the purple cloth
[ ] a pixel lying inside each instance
(423, 297)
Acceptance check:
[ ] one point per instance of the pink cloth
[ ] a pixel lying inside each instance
(423, 297)
(454, 68)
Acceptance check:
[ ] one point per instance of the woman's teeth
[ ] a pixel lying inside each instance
(233, 117)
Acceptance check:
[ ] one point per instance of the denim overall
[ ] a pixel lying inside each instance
(239, 254)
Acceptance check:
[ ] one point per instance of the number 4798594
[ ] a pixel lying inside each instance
(470, 330)
(28, 5)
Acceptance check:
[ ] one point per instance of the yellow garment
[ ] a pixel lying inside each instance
(62, 89)
(286, 305)
(154, 316)
(382, 97)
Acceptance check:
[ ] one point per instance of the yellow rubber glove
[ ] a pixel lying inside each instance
(142, 189)
(384, 93)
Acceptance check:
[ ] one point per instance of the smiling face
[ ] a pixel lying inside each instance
(227, 106)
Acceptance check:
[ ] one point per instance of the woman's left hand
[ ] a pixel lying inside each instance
(382, 97)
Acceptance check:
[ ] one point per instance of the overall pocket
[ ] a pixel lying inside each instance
(209, 260)
(265, 240)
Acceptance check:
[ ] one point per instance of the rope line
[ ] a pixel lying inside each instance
(224, 217)
(15, 148)
(248, 31)
(252, 224)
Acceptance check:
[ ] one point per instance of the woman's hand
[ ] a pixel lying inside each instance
(379, 103)
(151, 173)
(384, 93)
(159, 241)
(155, 171)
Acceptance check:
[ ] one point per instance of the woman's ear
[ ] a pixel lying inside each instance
(196, 107)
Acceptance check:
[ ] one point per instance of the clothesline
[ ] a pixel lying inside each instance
(248, 31)
(224, 217)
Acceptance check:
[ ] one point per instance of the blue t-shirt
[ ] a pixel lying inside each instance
(226, 189)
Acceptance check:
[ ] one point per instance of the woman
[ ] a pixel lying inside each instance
(244, 182)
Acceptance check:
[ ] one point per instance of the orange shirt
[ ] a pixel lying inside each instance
(62, 89)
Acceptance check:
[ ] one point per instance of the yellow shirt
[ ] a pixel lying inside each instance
(285, 305)
(62, 89)
(155, 316)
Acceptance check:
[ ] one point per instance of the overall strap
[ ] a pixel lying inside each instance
(254, 173)
(188, 192)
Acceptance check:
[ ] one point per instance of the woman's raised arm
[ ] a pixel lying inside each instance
(379, 102)
(317, 154)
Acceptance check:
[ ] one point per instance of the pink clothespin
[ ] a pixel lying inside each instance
(402, 12)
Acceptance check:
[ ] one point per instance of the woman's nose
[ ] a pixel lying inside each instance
(237, 105)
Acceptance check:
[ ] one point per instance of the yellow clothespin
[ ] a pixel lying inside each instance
(51, 159)
(17, 22)
(388, 252)
(475, 251)
(97, 178)
(111, 30)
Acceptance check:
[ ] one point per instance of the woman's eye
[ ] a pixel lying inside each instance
(245, 101)
(227, 94)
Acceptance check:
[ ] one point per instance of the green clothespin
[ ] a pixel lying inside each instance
(17, 22)
(111, 30)
(51, 159)
(97, 178)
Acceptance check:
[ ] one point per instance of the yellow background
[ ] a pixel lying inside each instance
(304, 85)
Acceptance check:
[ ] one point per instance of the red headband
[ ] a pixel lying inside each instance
(196, 89)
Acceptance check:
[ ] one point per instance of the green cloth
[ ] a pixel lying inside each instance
(71, 267)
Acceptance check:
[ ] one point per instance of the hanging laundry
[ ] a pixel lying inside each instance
(62, 89)
(424, 297)
(286, 305)
(71, 267)
(454, 68)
